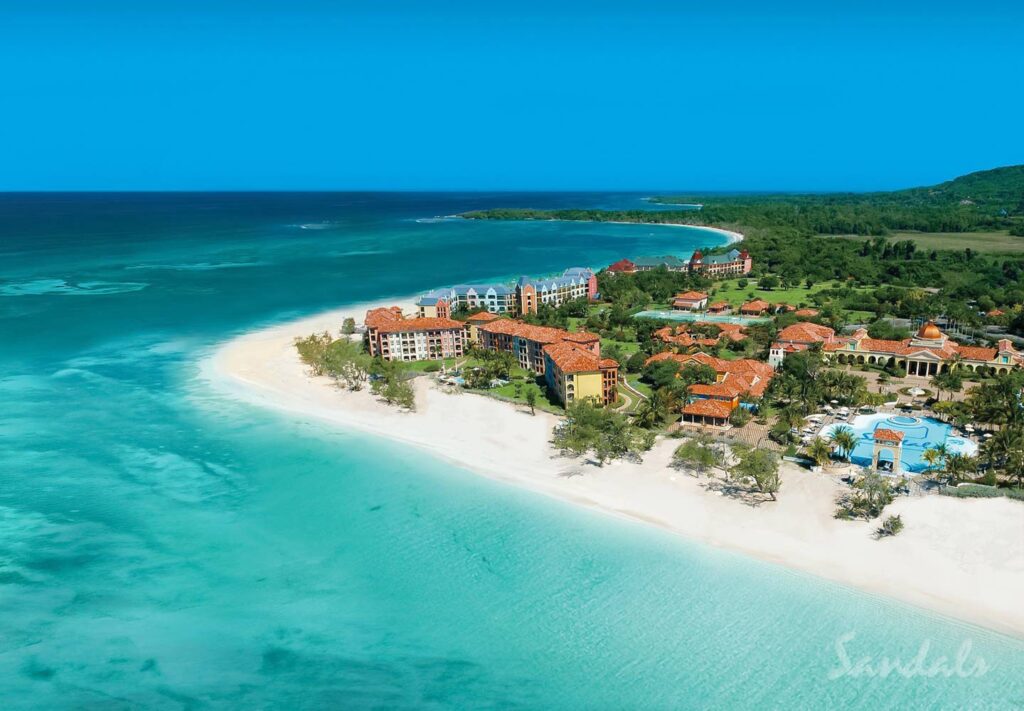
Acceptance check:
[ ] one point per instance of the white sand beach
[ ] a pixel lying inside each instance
(960, 557)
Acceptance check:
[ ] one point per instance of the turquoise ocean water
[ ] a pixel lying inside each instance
(162, 546)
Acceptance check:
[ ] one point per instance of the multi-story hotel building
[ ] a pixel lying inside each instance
(575, 283)
(394, 337)
(474, 322)
(527, 342)
(574, 373)
(713, 266)
(525, 297)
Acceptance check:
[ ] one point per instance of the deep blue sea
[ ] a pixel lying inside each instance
(162, 546)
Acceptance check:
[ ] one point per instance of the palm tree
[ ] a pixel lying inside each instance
(931, 457)
(1007, 447)
(959, 465)
(820, 451)
(844, 441)
(656, 408)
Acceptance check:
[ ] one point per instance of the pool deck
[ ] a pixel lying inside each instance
(700, 316)
(920, 433)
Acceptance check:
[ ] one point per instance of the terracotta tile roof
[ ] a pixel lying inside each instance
(483, 316)
(377, 317)
(724, 389)
(805, 333)
(755, 306)
(728, 327)
(977, 353)
(511, 327)
(570, 358)
(995, 313)
(420, 324)
(886, 435)
(691, 296)
(718, 305)
(749, 375)
(581, 337)
(807, 313)
(623, 265)
(708, 408)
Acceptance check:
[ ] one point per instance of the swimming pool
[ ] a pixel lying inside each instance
(699, 316)
(919, 433)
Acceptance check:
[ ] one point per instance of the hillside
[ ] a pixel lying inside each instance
(1001, 188)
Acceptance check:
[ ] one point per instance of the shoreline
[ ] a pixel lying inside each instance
(956, 573)
(732, 237)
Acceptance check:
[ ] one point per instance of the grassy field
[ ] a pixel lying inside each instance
(634, 380)
(1001, 242)
(729, 290)
(516, 391)
(421, 366)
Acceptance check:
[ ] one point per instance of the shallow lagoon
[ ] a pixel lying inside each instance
(164, 547)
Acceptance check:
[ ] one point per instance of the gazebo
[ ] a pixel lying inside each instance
(890, 441)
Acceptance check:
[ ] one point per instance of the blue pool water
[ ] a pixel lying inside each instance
(919, 433)
(163, 546)
(692, 316)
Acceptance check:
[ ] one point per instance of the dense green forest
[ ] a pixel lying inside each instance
(783, 232)
(989, 200)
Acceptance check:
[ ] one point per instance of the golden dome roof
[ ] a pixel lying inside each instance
(929, 331)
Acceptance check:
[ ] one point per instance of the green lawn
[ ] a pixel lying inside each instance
(729, 290)
(861, 316)
(634, 380)
(420, 366)
(516, 390)
(627, 347)
(999, 242)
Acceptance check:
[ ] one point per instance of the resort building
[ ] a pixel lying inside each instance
(575, 283)
(796, 338)
(929, 352)
(433, 306)
(715, 266)
(527, 342)
(522, 298)
(712, 266)
(474, 322)
(806, 313)
(719, 307)
(713, 403)
(573, 373)
(496, 298)
(672, 264)
(690, 301)
(757, 307)
(682, 335)
(391, 336)
(623, 266)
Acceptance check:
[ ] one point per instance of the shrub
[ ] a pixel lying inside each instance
(972, 491)
(432, 367)
(740, 416)
(890, 526)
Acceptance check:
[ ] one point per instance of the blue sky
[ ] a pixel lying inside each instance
(527, 95)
